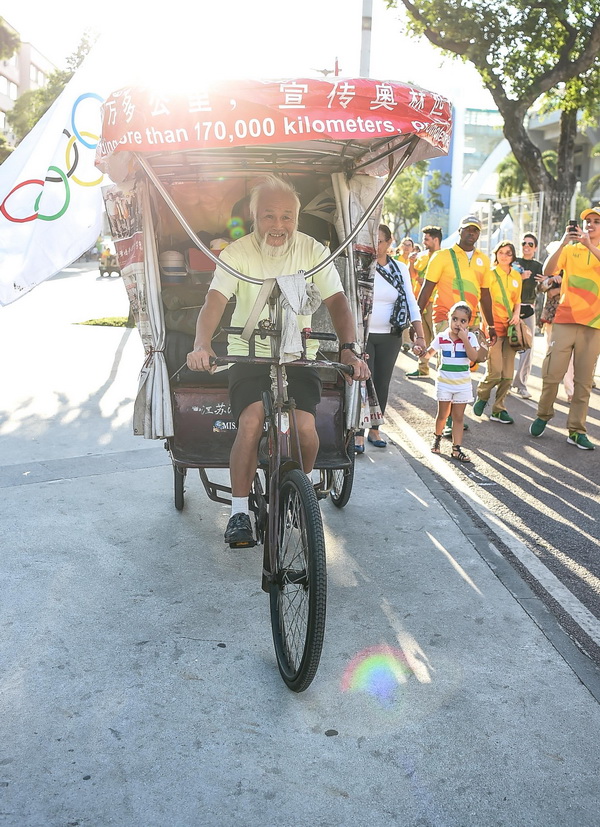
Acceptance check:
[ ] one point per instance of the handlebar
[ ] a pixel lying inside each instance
(264, 360)
(307, 333)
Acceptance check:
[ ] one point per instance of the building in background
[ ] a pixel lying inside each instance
(544, 131)
(477, 147)
(26, 69)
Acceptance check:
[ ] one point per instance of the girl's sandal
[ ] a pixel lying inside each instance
(435, 446)
(459, 454)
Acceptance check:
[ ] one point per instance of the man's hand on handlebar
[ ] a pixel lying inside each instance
(202, 358)
(361, 371)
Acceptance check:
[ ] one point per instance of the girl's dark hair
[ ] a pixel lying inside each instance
(383, 228)
(460, 306)
(502, 244)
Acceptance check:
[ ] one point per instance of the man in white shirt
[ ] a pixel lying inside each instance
(274, 248)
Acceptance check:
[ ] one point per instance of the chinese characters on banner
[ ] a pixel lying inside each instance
(252, 112)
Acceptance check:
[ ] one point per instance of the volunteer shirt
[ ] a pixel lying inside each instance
(579, 301)
(474, 275)
(402, 259)
(245, 256)
(454, 371)
(421, 264)
(512, 283)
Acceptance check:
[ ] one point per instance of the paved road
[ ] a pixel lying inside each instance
(138, 684)
(546, 491)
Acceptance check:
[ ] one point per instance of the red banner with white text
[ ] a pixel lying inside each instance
(246, 112)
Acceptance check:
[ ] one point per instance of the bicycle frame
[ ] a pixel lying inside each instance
(280, 415)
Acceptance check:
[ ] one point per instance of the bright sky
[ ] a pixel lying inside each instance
(240, 38)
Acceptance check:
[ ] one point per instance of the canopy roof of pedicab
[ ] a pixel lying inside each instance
(254, 126)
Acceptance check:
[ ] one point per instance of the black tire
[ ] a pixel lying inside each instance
(342, 480)
(299, 591)
(178, 486)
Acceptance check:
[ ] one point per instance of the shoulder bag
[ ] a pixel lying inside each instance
(518, 335)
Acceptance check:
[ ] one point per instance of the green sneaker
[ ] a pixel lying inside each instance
(537, 427)
(416, 374)
(503, 417)
(447, 432)
(479, 406)
(581, 440)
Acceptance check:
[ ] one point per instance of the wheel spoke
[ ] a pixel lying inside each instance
(298, 592)
(294, 584)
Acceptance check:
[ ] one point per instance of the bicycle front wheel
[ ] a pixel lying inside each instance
(299, 588)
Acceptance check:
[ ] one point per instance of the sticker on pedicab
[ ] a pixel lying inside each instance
(220, 426)
(218, 409)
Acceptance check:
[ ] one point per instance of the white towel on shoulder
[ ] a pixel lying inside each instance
(297, 298)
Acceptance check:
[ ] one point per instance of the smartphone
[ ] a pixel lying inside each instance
(572, 228)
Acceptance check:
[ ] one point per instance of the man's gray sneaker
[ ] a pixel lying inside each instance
(239, 531)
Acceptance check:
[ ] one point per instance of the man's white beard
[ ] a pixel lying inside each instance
(270, 251)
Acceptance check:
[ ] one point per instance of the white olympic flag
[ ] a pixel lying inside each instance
(50, 196)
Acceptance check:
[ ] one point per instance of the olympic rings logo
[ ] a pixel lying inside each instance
(60, 177)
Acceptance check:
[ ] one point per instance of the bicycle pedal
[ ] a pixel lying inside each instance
(247, 544)
(321, 494)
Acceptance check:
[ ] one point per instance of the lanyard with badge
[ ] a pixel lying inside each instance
(461, 289)
(504, 296)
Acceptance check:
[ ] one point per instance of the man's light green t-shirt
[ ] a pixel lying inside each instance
(245, 256)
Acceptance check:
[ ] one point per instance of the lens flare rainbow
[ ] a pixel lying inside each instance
(378, 671)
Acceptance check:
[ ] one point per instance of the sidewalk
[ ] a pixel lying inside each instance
(139, 685)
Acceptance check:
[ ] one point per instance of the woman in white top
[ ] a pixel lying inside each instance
(394, 310)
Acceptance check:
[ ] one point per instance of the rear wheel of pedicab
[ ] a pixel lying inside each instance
(178, 486)
(299, 591)
(342, 479)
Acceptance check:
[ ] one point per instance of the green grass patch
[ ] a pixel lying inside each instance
(108, 321)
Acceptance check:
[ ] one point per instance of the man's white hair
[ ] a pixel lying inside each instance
(271, 183)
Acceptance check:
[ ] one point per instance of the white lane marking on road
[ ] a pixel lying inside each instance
(405, 435)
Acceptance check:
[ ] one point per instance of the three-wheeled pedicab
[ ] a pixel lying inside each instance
(184, 165)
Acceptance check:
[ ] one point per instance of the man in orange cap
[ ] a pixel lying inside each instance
(576, 327)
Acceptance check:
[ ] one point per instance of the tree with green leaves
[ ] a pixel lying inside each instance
(411, 195)
(9, 40)
(511, 176)
(31, 105)
(5, 149)
(593, 185)
(528, 54)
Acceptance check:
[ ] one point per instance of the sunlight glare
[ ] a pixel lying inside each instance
(190, 46)
(455, 564)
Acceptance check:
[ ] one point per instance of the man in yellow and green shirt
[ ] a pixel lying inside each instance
(460, 273)
(576, 326)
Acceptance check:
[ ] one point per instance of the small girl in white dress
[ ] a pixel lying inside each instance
(454, 391)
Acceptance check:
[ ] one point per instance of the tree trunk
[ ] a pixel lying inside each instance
(557, 191)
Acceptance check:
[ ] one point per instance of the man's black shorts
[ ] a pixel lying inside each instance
(248, 382)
